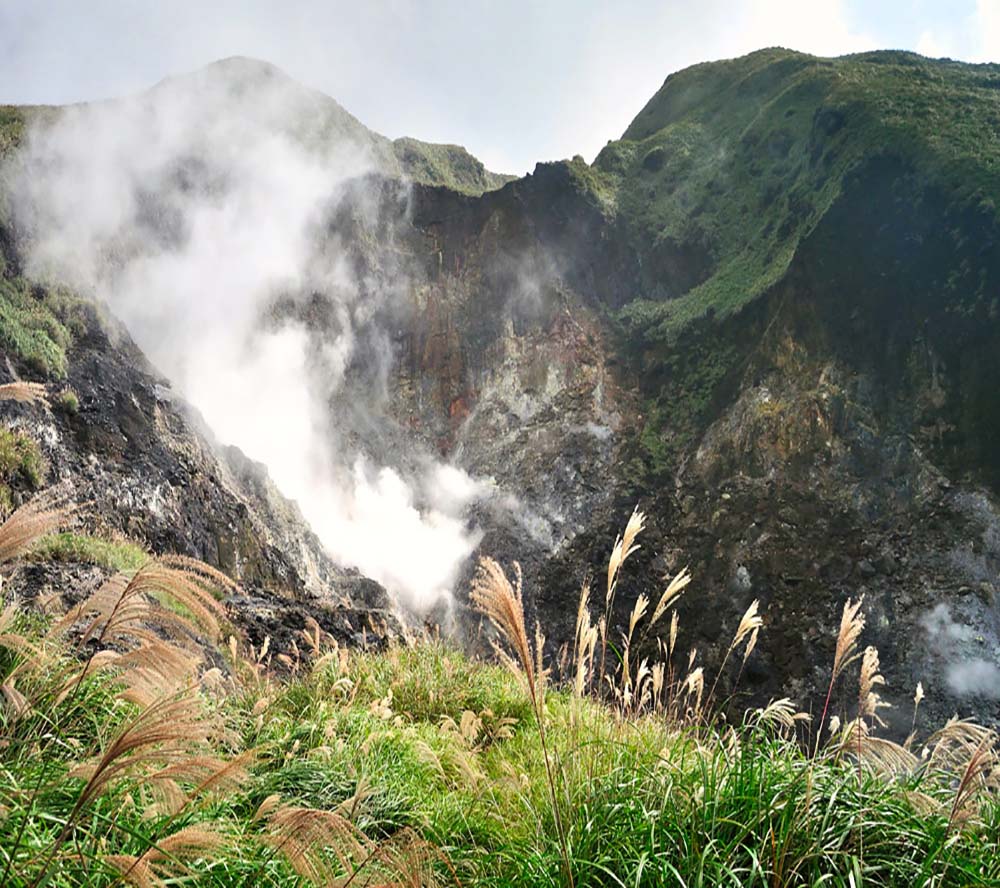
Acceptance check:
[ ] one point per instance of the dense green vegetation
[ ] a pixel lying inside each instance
(731, 164)
(37, 325)
(869, 177)
(85, 549)
(448, 165)
(11, 128)
(22, 466)
(125, 758)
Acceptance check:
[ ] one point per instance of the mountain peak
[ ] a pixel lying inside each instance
(319, 119)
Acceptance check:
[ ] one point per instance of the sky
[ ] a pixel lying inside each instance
(516, 82)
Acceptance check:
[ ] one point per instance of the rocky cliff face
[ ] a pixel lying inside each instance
(807, 414)
(768, 314)
(144, 468)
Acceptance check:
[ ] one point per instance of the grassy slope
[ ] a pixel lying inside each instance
(380, 738)
(416, 765)
(37, 325)
(734, 163)
(448, 165)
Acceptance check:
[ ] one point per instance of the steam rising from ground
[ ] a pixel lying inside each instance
(191, 210)
(966, 675)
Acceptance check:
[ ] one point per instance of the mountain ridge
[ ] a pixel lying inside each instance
(424, 162)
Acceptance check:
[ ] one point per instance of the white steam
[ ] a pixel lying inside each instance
(966, 675)
(190, 210)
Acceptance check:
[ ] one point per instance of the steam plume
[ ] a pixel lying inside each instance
(200, 212)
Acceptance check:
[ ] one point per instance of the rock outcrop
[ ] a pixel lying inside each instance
(144, 468)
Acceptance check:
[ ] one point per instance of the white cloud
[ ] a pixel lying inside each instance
(973, 38)
(928, 45)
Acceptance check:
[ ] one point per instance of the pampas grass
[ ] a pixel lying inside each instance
(164, 862)
(123, 758)
(623, 548)
(852, 621)
(503, 604)
(24, 392)
(311, 840)
(42, 515)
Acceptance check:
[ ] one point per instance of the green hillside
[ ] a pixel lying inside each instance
(732, 164)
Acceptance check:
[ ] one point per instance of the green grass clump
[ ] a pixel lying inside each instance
(67, 402)
(21, 459)
(119, 555)
(37, 325)
(22, 466)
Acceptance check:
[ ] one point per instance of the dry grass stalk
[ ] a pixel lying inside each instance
(748, 627)
(585, 643)
(624, 546)
(979, 773)
(638, 612)
(167, 733)
(583, 620)
(852, 621)
(192, 567)
(190, 586)
(658, 672)
(494, 595)
(851, 624)
(674, 590)
(16, 703)
(170, 732)
(165, 861)
(952, 746)
(408, 862)
(206, 775)
(881, 755)
(501, 602)
(155, 669)
(781, 714)
(694, 687)
(175, 596)
(317, 639)
(625, 689)
(308, 837)
(24, 392)
(918, 695)
(869, 702)
(541, 673)
(44, 514)
(966, 754)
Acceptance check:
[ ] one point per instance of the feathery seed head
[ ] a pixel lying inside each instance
(624, 546)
